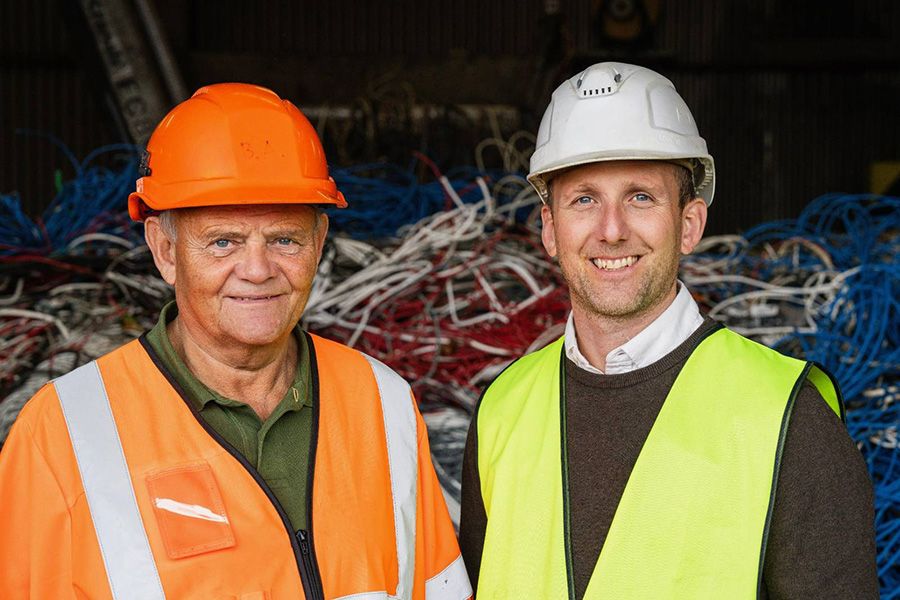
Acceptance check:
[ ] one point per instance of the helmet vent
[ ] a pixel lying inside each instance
(602, 91)
(598, 82)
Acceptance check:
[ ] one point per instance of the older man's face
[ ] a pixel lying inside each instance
(243, 274)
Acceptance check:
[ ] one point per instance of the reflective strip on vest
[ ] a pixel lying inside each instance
(129, 563)
(368, 596)
(402, 451)
(450, 584)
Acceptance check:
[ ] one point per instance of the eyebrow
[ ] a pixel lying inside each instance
(584, 188)
(630, 187)
(285, 232)
(635, 186)
(220, 232)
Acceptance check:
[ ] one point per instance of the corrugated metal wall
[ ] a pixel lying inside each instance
(795, 99)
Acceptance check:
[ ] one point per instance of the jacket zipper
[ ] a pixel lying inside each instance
(305, 537)
(312, 589)
(304, 554)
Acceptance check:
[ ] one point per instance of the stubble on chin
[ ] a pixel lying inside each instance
(618, 305)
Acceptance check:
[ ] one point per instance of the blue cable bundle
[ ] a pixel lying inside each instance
(18, 232)
(858, 341)
(384, 197)
(93, 201)
(858, 335)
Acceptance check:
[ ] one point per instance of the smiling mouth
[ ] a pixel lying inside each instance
(614, 264)
(254, 298)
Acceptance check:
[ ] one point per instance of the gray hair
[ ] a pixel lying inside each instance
(167, 219)
(167, 223)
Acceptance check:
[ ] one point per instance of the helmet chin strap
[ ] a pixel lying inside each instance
(146, 211)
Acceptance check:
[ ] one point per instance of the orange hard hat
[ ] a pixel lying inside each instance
(232, 143)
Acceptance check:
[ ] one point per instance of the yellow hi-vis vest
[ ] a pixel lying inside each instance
(694, 516)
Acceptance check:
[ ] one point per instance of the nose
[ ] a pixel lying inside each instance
(257, 266)
(613, 224)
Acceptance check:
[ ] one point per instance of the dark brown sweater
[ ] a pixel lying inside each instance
(821, 542)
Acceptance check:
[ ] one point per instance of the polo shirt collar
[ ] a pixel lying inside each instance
(199, 395)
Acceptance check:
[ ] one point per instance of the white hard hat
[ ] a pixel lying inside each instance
(616, 111)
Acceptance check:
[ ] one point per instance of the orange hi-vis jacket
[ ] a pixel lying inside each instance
(112, 487)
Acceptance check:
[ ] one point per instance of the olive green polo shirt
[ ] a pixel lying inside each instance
(278, 448)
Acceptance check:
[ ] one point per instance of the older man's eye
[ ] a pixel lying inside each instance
(285, 245)
(222, 243)
(583, 200)
(643, 198)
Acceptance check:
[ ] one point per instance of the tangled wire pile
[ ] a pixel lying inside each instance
(448, 284)
(448, 302)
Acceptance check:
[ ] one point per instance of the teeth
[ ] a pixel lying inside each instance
(614, 263)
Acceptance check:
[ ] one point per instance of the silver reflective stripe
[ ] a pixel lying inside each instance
(402, 451)
(450, 584)
(368, 596)
(129, 562)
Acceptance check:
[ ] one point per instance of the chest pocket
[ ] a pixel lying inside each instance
(189, 510)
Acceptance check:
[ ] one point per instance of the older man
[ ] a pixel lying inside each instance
(650, 452)
(227, 453)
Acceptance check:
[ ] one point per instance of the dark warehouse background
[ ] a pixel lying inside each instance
(427, 110)
(794, 100)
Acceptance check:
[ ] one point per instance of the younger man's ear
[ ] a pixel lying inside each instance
(693, 222)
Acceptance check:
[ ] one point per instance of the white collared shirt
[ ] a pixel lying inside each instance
(668, 331)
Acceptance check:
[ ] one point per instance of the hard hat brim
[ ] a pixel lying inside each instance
(539, 179)
(223, 192)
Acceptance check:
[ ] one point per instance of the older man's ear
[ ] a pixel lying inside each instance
(162, 247)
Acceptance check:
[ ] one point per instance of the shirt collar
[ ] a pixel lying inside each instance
(199, 394)
(668, 331)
